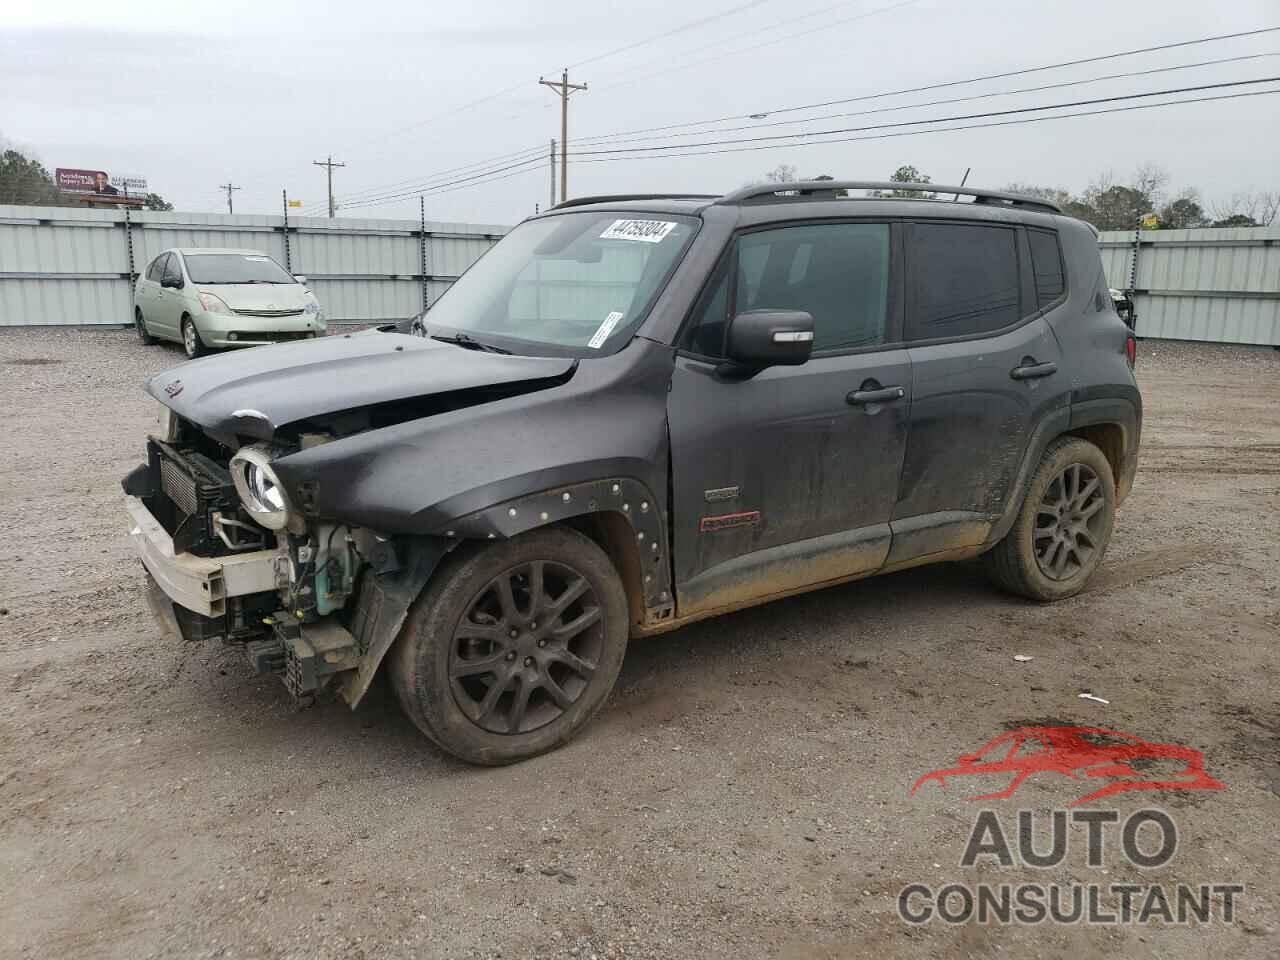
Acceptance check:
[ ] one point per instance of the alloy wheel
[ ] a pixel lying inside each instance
(526, 648)
(189, 338)
(1069, 522)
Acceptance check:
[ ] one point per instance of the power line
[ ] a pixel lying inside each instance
(935, 103)
(530, 164)
(424, 180)
(432, 193)
(910, 123)
(758, 114)
(972, 126)
(692, 24)
(765, 43)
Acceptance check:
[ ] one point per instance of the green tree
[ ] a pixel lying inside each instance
(24, 180)
(1183, 213)
(905, 174)
(1236, 220)
(153, 201)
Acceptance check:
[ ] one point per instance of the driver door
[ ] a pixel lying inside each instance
(788, 479)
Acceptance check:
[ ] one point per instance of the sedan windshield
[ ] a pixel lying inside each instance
(574, 283)
(235, 268)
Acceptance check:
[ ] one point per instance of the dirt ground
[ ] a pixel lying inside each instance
(746, 791)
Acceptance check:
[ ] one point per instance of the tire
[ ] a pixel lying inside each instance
(460, 675)
(191, 341)
(1075, 515)
(141, 326)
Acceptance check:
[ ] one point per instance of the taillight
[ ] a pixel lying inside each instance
(1131, 350)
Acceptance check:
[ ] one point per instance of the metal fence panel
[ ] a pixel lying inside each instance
(62, 265)
(1217, 284)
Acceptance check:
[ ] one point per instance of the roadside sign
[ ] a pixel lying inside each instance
(295, 203)
(1150, 221)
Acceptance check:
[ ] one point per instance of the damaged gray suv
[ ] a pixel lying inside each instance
(634, 413)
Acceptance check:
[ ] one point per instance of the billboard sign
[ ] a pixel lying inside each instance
(74, 180)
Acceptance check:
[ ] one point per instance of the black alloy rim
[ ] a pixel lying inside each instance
(526, 648)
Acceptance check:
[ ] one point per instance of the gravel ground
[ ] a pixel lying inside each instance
(746, 792)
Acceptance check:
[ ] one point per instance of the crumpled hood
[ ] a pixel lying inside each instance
(256, 391)
(259, 296)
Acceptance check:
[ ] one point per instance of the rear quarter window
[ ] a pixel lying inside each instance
(1046, 265)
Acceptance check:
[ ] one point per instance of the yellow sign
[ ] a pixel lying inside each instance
(1150, 221)
(295, 203)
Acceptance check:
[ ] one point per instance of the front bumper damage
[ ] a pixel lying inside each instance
(237, 596)
(203, 586)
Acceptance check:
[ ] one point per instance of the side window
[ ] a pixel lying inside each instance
(157, 267)
(837, 272)
(173, 269)
(1046, 264)
(965, 278)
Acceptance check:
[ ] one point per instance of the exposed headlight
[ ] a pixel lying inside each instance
(311, 307)
(259, 487)
(214, 304)
(169, 424)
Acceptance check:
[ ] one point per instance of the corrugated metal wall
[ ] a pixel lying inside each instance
(1219, 284)
(61, 265)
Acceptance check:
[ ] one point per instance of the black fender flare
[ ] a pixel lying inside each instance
(626, 497)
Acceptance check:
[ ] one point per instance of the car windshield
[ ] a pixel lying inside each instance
(235, 268)
(574, 283)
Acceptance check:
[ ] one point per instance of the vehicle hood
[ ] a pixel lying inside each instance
(257, 391)
(259, 296)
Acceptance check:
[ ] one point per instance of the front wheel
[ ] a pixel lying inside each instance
(1063, 528)
(513, 646)
(141, 326)
(191, 339)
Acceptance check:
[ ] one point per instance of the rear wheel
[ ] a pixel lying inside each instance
(191, 339)
(513, 646)
(141, 326)
(1063, 528)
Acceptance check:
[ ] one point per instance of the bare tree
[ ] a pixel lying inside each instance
(1261, 208)
(782, 173)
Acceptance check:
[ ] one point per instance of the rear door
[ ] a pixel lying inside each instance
(146, 289)
(984, 372)
(789, 478)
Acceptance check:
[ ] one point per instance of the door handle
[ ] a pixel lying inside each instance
(882, 395)
(1029, 371)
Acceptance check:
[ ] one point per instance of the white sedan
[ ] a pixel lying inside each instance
(214, 298)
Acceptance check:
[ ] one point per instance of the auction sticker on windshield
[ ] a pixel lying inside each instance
(602, 334)
(646, 231)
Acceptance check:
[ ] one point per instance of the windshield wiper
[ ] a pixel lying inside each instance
(462, 340)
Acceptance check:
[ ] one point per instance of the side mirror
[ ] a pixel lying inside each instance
(173, 283)
(768, 338)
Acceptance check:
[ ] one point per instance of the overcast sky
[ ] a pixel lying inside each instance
(252, 91)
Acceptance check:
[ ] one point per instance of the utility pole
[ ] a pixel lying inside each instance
(564, 90)
(228, 186)
(330, 164)
(553, 173)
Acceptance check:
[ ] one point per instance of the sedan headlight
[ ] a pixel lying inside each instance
(214, 304)
(259, 487)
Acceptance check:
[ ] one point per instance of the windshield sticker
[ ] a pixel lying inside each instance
(646, 231)
(600, 336)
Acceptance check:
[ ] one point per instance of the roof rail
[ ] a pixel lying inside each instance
(824, 189)
(615, 197)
